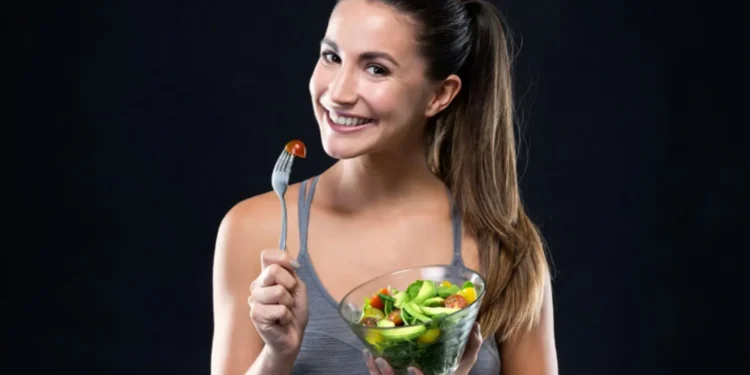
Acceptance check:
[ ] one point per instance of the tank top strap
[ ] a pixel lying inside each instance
(304, 204)
(457, 232)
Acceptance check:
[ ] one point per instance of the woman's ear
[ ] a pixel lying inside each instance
(443, 94)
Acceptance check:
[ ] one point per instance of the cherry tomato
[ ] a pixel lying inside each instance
(376, 302)
(456, 301)
(395, 317)
(296, 148)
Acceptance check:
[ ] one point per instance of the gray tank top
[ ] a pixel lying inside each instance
(329, 346)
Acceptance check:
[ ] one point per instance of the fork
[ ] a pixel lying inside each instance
(280, 182)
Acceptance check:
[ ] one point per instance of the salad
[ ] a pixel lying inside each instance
(422, 325)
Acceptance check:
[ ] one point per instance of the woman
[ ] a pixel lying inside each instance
(413, 97)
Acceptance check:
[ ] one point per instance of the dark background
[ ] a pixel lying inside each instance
(132, 128)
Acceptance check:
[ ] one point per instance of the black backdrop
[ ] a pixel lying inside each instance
(136, 126)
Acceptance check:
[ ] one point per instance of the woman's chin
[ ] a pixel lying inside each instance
(341, 154)
(343, 150)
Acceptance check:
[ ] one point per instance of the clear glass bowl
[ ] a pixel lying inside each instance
(432, 356)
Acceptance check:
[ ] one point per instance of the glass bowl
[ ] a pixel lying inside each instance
(434, 346)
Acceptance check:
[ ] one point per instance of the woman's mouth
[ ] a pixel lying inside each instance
(344, 124)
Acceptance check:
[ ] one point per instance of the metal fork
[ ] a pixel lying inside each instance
(280, 182)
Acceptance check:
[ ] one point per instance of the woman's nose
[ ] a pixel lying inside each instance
(343, 88)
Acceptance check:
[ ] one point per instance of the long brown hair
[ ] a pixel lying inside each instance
(472, 148)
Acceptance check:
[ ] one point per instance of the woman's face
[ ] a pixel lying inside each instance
(369, 89)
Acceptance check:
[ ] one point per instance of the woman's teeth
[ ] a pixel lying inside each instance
(348, 121)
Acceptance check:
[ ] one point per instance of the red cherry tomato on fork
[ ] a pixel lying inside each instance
(296, 148)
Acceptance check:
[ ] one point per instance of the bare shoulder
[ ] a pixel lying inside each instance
(254, 224)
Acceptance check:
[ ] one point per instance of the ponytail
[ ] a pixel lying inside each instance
(471, 147)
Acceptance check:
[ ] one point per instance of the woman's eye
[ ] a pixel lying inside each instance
(330, 57)
(377, 70)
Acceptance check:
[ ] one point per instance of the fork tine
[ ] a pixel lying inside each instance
(287, 163)
(279, 160)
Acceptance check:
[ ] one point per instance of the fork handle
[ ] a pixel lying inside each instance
(282, 239)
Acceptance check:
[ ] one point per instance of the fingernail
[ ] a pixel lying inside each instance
(411, 371)
(381, 364)
(294, 263)
(367, 355)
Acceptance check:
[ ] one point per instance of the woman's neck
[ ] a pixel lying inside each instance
(383, 181)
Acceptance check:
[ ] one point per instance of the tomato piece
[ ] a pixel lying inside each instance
(376, 302)
(296, 148)
(456, 301)
(469, 293)
(395, 317)
(384, 291)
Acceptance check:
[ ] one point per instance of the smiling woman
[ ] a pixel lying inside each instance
(383, 84)
(414, 99)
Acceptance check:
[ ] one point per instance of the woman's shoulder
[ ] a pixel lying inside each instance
(255, 222)
(262, 211)
(262, 205)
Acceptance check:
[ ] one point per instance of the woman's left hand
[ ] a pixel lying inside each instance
(380, 367)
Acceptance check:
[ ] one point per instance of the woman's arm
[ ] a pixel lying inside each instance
(534, 352)
(237, 348)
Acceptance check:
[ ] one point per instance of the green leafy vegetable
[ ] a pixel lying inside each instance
(445, 291)
(401, 299)
(388, 306)
(413, 290)
(386, 297)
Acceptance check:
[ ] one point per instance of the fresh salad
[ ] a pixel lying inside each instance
(421, 334)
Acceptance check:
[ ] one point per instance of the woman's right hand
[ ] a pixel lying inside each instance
(278, 304)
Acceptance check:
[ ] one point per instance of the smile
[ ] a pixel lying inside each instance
(347, 124)
(347, 120)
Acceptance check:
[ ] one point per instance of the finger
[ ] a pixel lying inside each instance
(471, 353)
(275, 256)
(275, 274)
(300, 291)
(272, 295)
(370, 362)
(474, 344)
(270, 314)
(415, 371)
(384, 367)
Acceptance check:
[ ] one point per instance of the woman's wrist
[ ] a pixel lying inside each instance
(270, 362)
